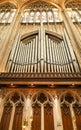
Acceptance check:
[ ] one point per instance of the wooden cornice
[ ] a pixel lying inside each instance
(40, 78)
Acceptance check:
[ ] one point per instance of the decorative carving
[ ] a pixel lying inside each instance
(48, 108)
(77, 108)
(15, 97)
(69, 98)
(36, 108)
(74, 4)
(65, 109)
(7, 108)
(19, 107)
(40, 6)
(42, 98)
(7, 6)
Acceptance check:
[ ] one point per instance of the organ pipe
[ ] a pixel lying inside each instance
(15, 54)
(42, 53)
(12, 53)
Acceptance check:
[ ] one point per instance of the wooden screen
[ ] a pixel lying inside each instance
(48, 118)
(66, 116)
(36, 124)
(17, 123)
(4, 125)
(77, 110)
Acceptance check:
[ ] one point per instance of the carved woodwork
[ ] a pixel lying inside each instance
(66, 117)
(4, 124)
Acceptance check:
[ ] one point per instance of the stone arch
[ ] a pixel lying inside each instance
(73, 93)
(12, 93)
(42, 110)
(9, 3)
(44, 92)
(34, 1)
(71, 1)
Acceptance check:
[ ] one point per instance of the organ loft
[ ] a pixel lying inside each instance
(40, 65)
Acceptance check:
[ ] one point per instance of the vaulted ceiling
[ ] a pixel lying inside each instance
(21, 3)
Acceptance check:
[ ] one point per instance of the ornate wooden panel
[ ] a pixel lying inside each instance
(77, 110)
(66, 116)
(17, 123)
(36, 124)
(4, 125)
(48, 118)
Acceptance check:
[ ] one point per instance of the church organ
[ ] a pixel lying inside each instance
(40, 65)
(43, 52)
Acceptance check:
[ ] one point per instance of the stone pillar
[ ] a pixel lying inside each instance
(14, 29)
(28, 115)
(73, 35)
(73, 118)
(57, 114)
(1, 106)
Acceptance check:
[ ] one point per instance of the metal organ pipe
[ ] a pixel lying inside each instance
(42, 48)
(42, 53)
(45, 53)
(27, 47)
(36, 53)
(63, 60)
(48, 57)
(18, 58)
(55, 56)
(69, 54)
(29, 58)
(33, 55)
(15, 54)
(23, 58)
(10, 59)
(54, 60)
(60, 56)
(38, 56)
(51, 55)
(76, 67)
(25, 55)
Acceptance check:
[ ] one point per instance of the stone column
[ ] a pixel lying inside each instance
(1, 107)
(28, 115)
(57, 114)
(14, 29)
(75, 37)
